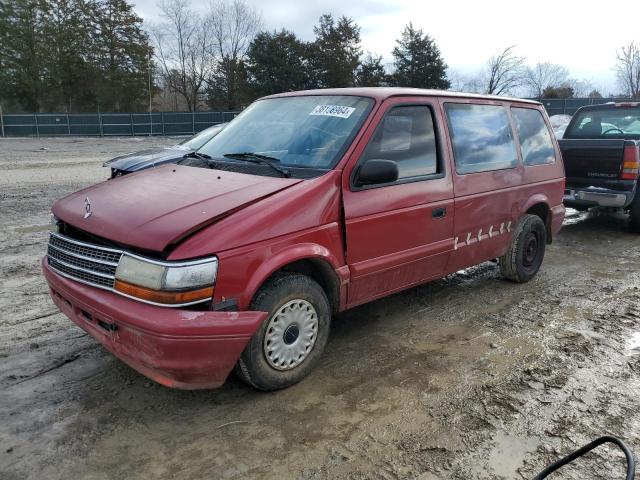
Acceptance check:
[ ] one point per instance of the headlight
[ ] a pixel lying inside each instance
(53, 222)
(167, 283)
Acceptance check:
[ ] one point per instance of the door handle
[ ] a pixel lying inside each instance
(439, 212)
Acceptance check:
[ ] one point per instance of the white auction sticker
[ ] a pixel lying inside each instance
(333, 111)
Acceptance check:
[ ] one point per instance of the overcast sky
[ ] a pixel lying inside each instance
(580, 35)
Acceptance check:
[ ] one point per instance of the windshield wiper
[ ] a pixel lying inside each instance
(259, 159)
(201, 156)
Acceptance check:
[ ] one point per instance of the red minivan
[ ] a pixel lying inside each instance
(307, 204)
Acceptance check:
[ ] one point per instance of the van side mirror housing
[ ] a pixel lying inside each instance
(375, 172)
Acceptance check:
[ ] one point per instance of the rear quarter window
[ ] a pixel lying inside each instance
(481, 136)
(535, 139)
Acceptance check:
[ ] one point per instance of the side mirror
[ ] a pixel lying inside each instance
(375, 172)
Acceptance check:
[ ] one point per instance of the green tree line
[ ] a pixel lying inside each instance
(89, 55)
(72, 55)
(279, 61)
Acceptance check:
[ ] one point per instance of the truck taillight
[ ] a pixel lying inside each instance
(630, 163)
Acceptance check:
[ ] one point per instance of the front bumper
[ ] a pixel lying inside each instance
(176, 348)
(600, 197)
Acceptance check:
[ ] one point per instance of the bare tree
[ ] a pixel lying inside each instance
(505, 72)
(181, 50)
(232, 26)
(628, 69)
(544, 75)
(581, 88)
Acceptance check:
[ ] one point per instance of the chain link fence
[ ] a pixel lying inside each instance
(108, 124)
(178, 123)
(568, 106)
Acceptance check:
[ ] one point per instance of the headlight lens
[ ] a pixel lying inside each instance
(139, 272)
(177, 278)
(171, 283)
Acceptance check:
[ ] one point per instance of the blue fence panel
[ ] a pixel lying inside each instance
(180, 123)
(147, 124)
(19, 125)
(105, 124)
(85, 124)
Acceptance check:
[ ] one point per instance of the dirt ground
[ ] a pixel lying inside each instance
(469, 377)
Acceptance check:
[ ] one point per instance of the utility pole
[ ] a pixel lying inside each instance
(1, 121)
(150, 98)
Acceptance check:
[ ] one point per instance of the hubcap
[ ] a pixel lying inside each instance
(290, 335)
(530, 249)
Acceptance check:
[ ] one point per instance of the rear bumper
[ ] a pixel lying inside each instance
(600, 197)
(176, 348)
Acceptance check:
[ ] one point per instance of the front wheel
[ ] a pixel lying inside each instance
(522, 260)
(290, 342)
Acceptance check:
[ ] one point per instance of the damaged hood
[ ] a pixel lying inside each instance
(156, 208)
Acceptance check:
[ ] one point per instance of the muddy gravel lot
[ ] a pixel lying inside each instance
(469, 377)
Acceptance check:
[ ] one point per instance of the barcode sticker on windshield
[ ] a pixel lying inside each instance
(333, 111)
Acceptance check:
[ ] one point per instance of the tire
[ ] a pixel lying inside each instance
(299, 318)
(634, 213)
(522, 260)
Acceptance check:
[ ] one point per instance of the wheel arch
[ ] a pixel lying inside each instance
(312, 260)
(539, 205)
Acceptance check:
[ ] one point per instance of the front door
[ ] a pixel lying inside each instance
(399, 234)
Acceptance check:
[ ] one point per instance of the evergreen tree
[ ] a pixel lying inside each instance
(418, 62)
(334, 56)
(69, 75)
(371, 72)
(22, 53)
(227, 88)
(72, 55)
(122, 56)
(563, 91)
(276, 63)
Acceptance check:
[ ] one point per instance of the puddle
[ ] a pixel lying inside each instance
(509, 453)
(633, 344)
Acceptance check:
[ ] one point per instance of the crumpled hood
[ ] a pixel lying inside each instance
(156, 208)
(132, 162)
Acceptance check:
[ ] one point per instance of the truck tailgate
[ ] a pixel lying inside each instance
(592, 159)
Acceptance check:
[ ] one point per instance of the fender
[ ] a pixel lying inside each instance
(533, 200)
(301, 251)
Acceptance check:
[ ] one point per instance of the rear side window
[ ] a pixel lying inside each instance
(535, 139)
(481, 136)
(406, 135)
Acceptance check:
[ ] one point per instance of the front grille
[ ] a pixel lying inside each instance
(85, 249)
(82, 261)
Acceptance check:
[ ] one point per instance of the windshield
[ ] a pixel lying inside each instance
(310, 131)
(199, 139)
(616, 122)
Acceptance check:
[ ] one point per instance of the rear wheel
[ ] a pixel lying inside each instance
(522, 260)
(291, 340)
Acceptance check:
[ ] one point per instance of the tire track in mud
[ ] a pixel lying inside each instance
(467, 377)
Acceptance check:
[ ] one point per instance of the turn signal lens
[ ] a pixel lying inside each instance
(630, 163)
(164, 297)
